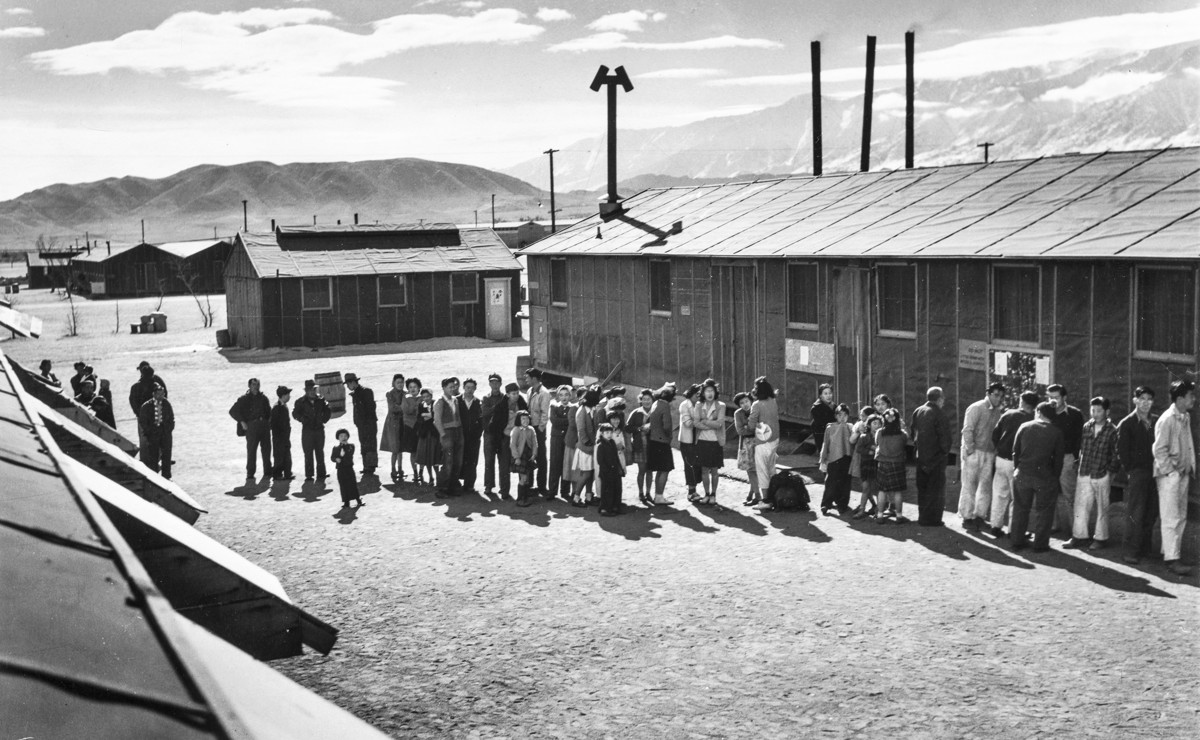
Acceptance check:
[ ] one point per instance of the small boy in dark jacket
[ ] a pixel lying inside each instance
(281, 434)
(608, 465)
(343, 458)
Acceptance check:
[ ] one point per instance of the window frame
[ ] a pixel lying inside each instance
(816, 267)
(454, 301)
(304, 293)
(656, 311)
(554, 282)
(1135, 326)
(896, 333)
(379, 291)
(1008, 341)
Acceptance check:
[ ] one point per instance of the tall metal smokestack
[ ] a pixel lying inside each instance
(245, 218)
(815, 49)
(356, 219)
(910, 42)
(868, 96)
(618, 78)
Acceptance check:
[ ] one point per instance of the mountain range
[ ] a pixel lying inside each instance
(1109, 102)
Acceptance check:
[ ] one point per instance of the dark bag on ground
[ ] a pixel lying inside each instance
(787, 491)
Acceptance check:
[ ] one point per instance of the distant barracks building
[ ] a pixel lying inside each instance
(319, 286)
(1079, 269)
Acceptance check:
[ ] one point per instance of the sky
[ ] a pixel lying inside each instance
(95, 88)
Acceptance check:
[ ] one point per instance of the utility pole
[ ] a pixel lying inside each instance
(985, 146)
(477, 217)
(868, 99)
(245, 221)
(143, 231)
(553, 223)
(493, 210)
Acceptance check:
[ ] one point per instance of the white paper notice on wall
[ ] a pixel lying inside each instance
(1001, 360)
(1041, 371)
(497, 296)
(804, 356)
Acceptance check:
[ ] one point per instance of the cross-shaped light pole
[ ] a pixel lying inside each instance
(619, 77)
(985, 146)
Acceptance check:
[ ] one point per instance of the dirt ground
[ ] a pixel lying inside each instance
(471, 618)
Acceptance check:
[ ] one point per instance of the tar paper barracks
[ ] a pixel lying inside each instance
(319, 286)
(1079, 269)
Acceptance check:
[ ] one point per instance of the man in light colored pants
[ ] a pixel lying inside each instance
(1091, 495)
(977, 458)
(764, 461)
(1174, 466)
(976, 488)
(1002, 493)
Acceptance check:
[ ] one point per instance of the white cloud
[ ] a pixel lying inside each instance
(1104, 87)
(1071, 42)
(630, 20)
(471, 4)
(614, 40)
(681, 73)
(17, 11)
(271, 55)
(549, 15)
(22, 32)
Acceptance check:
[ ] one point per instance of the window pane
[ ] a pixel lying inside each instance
(392, 290)
(316, 293)
(1166, 310)
(897, 297)
(660, 285)
(558, 281)
(464, 287)
(1016, 298)
(802, 294)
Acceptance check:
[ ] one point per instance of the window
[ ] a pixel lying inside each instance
(1166, 311)
(464, 287)
(558, 281)
(802, 294)
(1016, 303)
(897, 286)
(660, 285)
(393, 290)
(316, 294)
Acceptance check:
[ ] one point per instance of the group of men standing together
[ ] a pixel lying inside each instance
(1053, 469)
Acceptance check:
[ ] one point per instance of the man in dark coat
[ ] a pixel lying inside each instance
(106, 413)
(252, 412)
(470, 410)
(142, 391)
(931, 438)
(94, 401)
(366, 421)
(156, 420)
(1038, 459)
(492, 453)
(281, 434)
(78, 377)
(499, 427)
(312, 412)
(1135, 450)
(449, 425)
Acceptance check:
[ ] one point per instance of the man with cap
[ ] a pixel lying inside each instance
(252, 412)
(312, 412)
(281, 434)
(931, 438)
(977, 463)
(142, 391)
(448, 421)
(538, 400)
(156, 420)
(366, 422)
(492, 445)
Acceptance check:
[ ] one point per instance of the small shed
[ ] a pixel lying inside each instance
(49, 269)
(144, 269)
(318, 286)
(1081, 269)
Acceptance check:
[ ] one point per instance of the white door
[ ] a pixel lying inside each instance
(499, 308)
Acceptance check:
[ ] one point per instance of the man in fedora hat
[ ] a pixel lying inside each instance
(312, 412)
(252, 412)
(366, 422)
(281, 434)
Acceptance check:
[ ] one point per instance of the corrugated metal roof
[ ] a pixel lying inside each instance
(479, 250)
(1118, 204)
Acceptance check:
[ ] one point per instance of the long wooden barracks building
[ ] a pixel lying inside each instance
(1080, 269)
(318, 286)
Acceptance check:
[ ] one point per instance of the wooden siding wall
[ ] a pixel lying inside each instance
(243, 301)
(356, 317)
(1085, 317)
(120, 274)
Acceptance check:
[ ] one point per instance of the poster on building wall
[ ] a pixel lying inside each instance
(809, 357)
(973, 355)
(1020, 371)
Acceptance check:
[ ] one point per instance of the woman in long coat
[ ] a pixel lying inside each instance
(393, 424)
(659, 457)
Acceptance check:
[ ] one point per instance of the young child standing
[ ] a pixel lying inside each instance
(868, 469)
(890, 451)
(523, 446)
(836, 453)
(608, 465)
(746, 439)
(343, 459)
(429, 446)
(281, 434)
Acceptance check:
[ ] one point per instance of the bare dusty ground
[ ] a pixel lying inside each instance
(474, 618)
